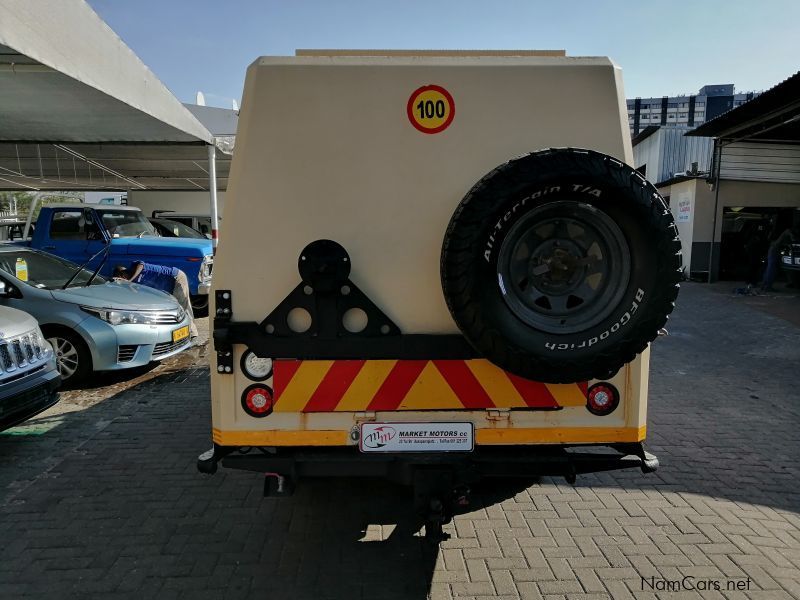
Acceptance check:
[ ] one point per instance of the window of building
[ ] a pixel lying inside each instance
(683, 115)
(672, 105)
(683, 105)
(699, 105)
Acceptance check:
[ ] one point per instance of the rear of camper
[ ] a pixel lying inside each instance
(436, 268)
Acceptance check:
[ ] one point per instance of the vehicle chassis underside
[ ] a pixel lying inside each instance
(441, 481)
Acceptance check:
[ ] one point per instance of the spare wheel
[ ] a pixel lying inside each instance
(561, 265)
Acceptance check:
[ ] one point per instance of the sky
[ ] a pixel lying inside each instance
(664, 48)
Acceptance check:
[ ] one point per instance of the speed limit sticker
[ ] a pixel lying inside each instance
(431, 109)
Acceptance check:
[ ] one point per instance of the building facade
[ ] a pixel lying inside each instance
(663, 153)
(684, 111)
(727, 217)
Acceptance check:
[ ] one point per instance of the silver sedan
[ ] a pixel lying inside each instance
(93, 324)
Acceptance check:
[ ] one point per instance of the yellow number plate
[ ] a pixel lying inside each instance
(180, 334)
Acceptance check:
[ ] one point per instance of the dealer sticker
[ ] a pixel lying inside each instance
(431, 109)
(417, 437)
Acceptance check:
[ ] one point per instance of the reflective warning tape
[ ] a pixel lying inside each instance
(388, 385)
(495, 436)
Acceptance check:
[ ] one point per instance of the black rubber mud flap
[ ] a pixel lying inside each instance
(561, 265)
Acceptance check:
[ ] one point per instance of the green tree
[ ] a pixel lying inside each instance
(22, 201)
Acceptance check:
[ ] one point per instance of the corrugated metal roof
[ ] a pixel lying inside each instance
(644, 134)
(65, 76)
(80, 111)
(751, 114)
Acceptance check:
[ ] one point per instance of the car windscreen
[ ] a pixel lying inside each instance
(176, 229)
(43, 270)
(126, 223)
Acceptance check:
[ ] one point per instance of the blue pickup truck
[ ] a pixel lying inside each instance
(120, 235)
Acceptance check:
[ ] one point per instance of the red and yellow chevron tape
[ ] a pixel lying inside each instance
(388, 385)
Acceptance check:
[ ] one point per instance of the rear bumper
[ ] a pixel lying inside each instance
(522, 436)
(484, 462)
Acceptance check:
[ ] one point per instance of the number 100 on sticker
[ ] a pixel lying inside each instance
(431, 109)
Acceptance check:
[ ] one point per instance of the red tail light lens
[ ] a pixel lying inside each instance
(257, 400)
(602, 399)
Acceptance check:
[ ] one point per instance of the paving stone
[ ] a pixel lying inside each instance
(107, 504)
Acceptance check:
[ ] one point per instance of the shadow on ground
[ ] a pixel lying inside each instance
(120, 509)
(104, 379)
(126, 506)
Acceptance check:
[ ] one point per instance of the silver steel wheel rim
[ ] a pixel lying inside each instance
(66, 356)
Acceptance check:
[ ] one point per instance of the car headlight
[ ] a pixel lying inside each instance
(40, 342)
(123, 317)
(205, 269)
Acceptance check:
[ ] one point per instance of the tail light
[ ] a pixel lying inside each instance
(257, 400)
(255, 367)
(602, 398)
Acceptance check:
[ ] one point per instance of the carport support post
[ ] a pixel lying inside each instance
(212, 188)
(716, 208)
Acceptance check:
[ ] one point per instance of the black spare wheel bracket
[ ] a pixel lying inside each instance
(327, 294)
(312, 321)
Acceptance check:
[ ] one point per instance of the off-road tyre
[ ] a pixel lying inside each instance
(641, 267)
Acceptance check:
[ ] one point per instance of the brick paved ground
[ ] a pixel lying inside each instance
(105, 501)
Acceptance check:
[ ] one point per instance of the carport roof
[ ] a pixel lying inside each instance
(79, 110)
(53, 166)
(773, 116)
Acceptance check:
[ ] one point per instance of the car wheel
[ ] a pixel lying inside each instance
(72, 356)
(561, 266)
(200, 305)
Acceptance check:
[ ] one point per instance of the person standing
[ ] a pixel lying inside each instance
(774, 257)
(756, 247)
(167, 279)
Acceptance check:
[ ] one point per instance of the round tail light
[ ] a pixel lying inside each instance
(257, 400)
(255, 367)
(602, 398)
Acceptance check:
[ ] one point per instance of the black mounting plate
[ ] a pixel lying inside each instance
(328, 303)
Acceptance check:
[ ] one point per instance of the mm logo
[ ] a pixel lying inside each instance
(379, 437)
